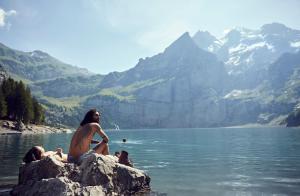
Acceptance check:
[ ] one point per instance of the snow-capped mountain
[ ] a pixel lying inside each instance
(206, 41)
(244, 49)
(184, 86)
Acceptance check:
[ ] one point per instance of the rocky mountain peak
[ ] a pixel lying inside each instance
(204, 34)
(204, 39)
(233, 36)
(39, 54)
(36, 65)
(183, 43)
(274, 28)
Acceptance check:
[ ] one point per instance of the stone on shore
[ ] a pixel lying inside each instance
(17, 127)
(97, 175)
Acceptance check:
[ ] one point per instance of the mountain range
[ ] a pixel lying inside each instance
(246, 76)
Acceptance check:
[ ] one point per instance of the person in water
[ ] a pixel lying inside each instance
(83, 137)
(123, 159)
(38, 153)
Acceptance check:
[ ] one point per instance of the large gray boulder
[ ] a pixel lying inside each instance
(97, 175)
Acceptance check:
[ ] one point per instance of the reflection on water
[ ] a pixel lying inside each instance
(223, 161)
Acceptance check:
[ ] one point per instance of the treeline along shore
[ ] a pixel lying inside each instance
(20, 112)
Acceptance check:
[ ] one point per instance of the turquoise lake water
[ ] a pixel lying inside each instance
(217, 161)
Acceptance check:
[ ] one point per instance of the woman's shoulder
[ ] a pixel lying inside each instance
(95, 125)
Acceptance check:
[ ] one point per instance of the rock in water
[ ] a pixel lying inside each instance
(97, 175)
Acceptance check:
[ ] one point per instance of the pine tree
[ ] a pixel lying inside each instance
(23, 103)
(19, 101)
(38, 111)
(3, 105)
(28, 115)
(8, 86)
(9, 92)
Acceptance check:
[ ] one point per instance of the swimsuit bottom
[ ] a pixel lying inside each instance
(78, 161)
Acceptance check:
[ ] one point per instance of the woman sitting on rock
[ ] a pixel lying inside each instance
(38, 153)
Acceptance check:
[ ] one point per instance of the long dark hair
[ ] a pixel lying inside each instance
(33, 154)
(89, 117)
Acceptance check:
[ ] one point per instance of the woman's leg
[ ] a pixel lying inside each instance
(106, 150)
(101, 148)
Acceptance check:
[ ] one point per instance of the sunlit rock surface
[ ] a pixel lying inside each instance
(97, 175)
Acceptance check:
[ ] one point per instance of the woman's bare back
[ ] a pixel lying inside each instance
(81, 140)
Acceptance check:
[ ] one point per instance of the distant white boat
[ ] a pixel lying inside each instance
(117, 127)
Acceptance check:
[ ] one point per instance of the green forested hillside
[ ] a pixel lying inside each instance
(36, 65)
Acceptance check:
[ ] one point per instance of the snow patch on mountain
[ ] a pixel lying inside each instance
(234, 60)
(235, 93)
(295, 44)
(242, 49)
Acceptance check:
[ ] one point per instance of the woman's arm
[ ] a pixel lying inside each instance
(95, 141)
(49, 153)
(57, 153)
(100, 131)
(63, 157)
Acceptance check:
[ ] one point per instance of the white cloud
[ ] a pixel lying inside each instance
(3, 16)
(11, 12)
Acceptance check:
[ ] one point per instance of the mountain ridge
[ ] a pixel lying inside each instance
(36, 65)
(186, 85)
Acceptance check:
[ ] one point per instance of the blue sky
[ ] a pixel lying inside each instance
(111, 35)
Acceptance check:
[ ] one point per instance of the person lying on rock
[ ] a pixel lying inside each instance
(83, 137)
(38, 153)
(123, 159)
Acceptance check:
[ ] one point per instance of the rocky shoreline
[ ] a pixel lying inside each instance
(96, 175)
(13, 127)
